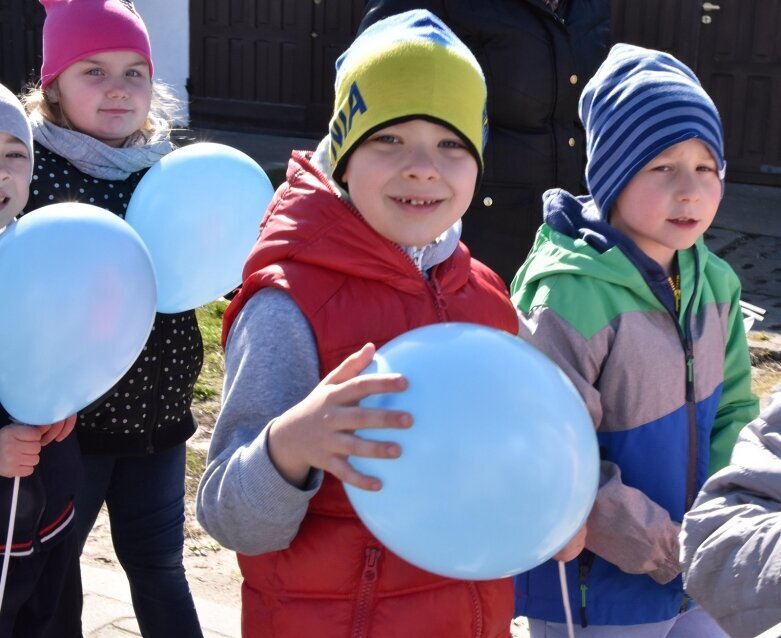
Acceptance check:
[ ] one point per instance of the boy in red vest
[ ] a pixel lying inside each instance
(360, 245)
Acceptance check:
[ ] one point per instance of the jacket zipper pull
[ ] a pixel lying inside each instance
(369, 577)
(689, 374)
(583, 570)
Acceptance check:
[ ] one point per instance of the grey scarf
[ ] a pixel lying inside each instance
(95, 158)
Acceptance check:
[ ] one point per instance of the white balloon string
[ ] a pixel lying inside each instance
(9, 539)
(565, 598)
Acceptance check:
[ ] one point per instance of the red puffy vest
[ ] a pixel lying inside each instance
(353, 286)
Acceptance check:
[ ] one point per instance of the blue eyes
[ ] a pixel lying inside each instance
(452, 144)
(132, 73)
(393, 139)
(704, 168)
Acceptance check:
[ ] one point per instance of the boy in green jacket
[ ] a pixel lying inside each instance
(621, 291)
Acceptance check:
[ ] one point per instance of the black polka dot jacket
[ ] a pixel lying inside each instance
(149, 409)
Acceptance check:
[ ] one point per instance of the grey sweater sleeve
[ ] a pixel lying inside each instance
(271, 363)
(731, 539)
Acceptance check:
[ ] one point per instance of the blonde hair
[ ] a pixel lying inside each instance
(164, 110)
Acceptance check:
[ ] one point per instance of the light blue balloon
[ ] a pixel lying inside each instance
(501, 465)
(77, 302)
(199, 211)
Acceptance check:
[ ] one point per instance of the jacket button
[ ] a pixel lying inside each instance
(487, 201)
(573, 79)
(571, 142)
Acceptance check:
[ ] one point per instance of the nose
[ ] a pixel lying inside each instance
(117, 87)
(688, 186)
(421, 165)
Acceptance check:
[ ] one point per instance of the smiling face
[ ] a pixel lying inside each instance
(670, 202)
(106, 95)
(411, 181)
(14, 177)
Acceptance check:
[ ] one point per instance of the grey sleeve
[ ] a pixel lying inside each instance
(271, 363)
(625, 526)
(731, 538)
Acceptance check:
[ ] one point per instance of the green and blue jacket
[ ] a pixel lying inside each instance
(668, 392)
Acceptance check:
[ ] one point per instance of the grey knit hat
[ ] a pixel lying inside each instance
(14, 121)
(639, 103)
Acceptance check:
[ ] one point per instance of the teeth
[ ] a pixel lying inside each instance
(418, 202)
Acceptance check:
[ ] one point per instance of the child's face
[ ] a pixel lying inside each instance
(14, 177)
(106, 95)
(411, 181)
(670, 202)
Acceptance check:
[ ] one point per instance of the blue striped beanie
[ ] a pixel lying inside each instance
(639, 103)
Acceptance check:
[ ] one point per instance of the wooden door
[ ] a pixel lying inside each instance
(21, 22)
(734, 46)
(739, 63)
(667, 25)
(267, 64)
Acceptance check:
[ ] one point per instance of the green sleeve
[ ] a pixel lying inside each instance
(738, 405)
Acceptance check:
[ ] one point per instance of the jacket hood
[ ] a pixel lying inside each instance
(574, 240)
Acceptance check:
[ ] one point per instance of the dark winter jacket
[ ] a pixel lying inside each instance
(148, 410)
(536, 63)
(44, 510)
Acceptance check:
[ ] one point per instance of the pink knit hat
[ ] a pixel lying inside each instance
(75, 29)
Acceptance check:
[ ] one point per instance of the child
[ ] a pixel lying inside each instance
(730, 540)
(621, 291)
(42, 595)
(360, 245)
(97, 128)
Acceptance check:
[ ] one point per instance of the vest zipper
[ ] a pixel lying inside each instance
(439, 300)
(368, 585)
(478, 609)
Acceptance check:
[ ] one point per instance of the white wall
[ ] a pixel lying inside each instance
(168, 23)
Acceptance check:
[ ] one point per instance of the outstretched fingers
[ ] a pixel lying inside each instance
(323, 430)
(351, 367)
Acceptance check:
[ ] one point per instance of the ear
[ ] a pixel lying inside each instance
(52, 93)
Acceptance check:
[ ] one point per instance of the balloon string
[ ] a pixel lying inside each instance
(565, 598)
(9, 539)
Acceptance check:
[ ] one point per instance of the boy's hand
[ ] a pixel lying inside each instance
(58, 431)
(20, 448)
(319, 431)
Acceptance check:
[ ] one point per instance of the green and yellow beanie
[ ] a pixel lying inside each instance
(405, 67)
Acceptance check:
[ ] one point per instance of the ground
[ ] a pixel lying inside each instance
(212, 571)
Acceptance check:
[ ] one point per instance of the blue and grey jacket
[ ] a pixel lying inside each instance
(668, 393)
